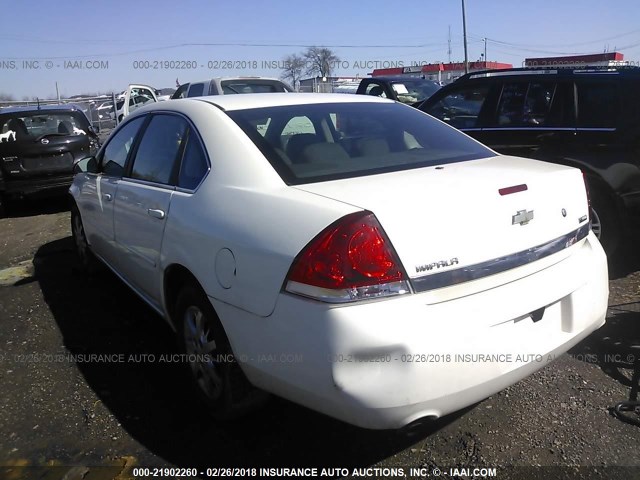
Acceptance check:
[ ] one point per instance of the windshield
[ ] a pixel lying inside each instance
(318, 142)
(414, 90)
(26, 126)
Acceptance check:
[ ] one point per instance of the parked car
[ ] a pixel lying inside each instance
(231, 85)
(134, 97)
(38, 148)
(346, 252)
(588, 118)
(405, 89)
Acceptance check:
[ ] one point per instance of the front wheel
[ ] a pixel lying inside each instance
(219, 380)
(88, 261)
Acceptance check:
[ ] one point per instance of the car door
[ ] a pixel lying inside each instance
(136, 96)
(531, 116)
(98, 191)
(598, 108)
(143, 200)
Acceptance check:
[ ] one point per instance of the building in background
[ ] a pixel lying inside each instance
(610, 59)
(440, 72)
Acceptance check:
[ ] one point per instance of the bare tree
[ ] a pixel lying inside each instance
(320, 61)
(293, 68)
(6, 97)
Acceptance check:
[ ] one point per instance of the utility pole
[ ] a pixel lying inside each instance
(449, 50)
(464, 34)
(485, 51)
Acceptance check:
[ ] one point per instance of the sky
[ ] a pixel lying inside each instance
(102, 46)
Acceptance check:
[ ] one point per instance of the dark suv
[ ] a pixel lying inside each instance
(39, 146)
(587, 118)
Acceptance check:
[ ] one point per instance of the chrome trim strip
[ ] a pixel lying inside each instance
(528, 129)
(497, 265)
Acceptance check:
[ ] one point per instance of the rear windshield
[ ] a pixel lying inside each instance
(319, 142)
(230, 87)
(26, 126)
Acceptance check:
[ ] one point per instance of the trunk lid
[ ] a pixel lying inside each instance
(453, 216)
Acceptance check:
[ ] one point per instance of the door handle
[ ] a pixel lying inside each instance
(107, 197)
(156, 213)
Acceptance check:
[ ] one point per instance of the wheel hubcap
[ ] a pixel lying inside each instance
(596, 225)
(81, 242)
(201, 347)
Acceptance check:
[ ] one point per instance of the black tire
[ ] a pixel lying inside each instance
(3, 205)
(218, 379)
(89, 264)
(605, 221)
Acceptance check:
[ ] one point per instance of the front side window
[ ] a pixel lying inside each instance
(156, 156)
(196, 90)
(376, 90)
(116, 151)
(181, 92)
(369, 138)
(525, 104)
(461, 108)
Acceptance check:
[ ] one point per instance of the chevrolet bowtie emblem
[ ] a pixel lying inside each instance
(522, 217)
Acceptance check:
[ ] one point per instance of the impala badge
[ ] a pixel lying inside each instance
(522, 217)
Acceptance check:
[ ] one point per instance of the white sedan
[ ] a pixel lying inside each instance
(348, 253)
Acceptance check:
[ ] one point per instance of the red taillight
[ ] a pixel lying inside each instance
(351, 259)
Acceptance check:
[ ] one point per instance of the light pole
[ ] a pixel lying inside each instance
(464, 35)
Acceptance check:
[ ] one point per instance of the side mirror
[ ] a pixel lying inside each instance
(86, 165)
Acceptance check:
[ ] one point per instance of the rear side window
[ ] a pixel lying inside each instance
(461, 108)
(156, 156)
(597, 105)
(530, 105)
(117, 150)
(368, 138)
(194, 164)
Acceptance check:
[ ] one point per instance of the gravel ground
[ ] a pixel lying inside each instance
(59, 412)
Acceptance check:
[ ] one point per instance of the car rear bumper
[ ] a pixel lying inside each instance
(36, 185)
(384, 364)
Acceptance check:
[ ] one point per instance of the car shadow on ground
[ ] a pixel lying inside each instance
(615, 348)
(31, 207)
(153, 400)
(627, 259)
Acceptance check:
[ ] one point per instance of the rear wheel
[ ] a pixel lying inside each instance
(219, 380)
(605, 221)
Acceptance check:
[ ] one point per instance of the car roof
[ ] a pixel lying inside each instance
(400, 78)
(559, 70)
(261, 100)
(34, 108)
